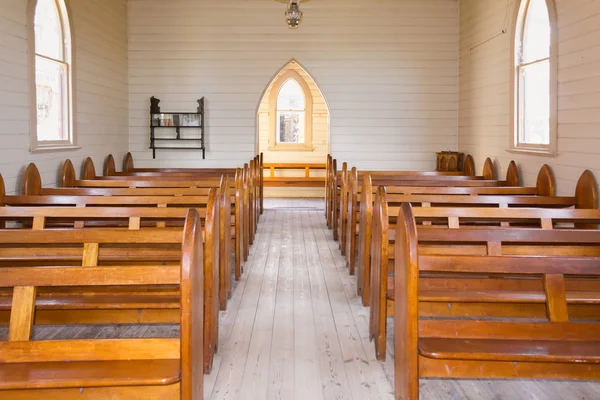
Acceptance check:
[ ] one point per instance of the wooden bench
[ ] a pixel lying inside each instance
(245, 185)
(35, 194)
(351, 190)
(294, 181)
(131, 307)
(453, 219)
(359, 253)
(255, 166)
(402, 178)
(560, 345)
(105, 368)
(336, 179)
(352, 193)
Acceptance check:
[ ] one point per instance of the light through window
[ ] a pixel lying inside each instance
(533, 80)
(291, 113)
(52, 73)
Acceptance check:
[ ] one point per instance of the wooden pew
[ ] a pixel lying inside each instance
(155, 307)
(382, 295)
(351, 191)
(358, 254)
(403, 178)
(294, 181)
(586, 197)
(105, 368)
(353, 195)
(560, 345)
(336, 179)
(129, 169)
(170, 180)
(32, 188)
(177, 204)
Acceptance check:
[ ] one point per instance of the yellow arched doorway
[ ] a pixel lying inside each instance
(293, 126)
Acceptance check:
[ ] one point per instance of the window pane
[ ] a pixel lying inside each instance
(291, 97)
(48, 31)
(51, 84)
(536, 34)
(290, 127)
(535, 104)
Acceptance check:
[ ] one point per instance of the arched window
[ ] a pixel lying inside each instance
(291, 110)
(291, 113)
(50, 33)
(535, 78)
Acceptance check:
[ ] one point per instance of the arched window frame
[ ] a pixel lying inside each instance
(308, 114)
(37, 145)
(517, 39)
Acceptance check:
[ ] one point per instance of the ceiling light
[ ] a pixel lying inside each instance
(293, 15)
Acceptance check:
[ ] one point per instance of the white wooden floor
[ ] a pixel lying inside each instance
(295, 328)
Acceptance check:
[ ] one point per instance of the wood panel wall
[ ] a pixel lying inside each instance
(100, 30)
(388, 69)
(485, 88)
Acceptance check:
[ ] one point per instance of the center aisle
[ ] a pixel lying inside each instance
(295, 328)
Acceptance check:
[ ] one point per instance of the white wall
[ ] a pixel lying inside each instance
(485, 86)
(388, 69)
(100, 30)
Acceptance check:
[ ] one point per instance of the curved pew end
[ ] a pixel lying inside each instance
(488, 169)
(128, 163)
(2, 190)
(89, 170)
(240, 218)
(363, 285)
(406, 321)
(192, 311)
(262, 182)
(109, 166)
(332, 193)
(351, 222)
(512, 175)
(32, 181)
(67, 174)
(545, 182)
(379, 273)
(211, 280)
(586, 191)
(469, 168)
(225, 287)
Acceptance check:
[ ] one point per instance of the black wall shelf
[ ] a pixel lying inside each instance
(175, 124)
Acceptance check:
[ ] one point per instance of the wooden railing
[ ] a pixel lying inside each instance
(307, 180)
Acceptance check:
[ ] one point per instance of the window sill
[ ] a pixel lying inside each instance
(291, 147)
(55, 148)
(533, 152)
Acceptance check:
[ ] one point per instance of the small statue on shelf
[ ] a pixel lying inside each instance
(154, 107)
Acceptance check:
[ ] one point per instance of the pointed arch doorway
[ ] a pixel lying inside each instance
(293, 126)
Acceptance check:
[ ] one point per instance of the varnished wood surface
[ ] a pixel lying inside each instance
(295, 328)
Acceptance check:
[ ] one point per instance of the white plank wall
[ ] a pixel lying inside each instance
(484, 88)
(388, 69)
(100, 30)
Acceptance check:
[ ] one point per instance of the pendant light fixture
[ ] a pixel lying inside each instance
(293, 15)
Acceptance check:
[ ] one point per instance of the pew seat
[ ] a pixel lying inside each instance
(548, 351)
(51, 375)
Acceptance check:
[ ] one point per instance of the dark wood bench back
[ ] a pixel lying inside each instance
(449, 346)
(129, 168)
(452, 223)
(25, 282)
